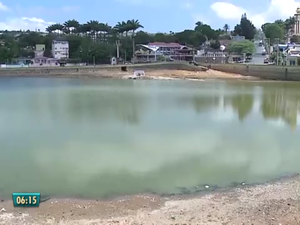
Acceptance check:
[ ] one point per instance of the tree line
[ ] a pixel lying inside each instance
(96, 40)
(280, 30)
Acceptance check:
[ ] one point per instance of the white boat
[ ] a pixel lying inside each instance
(139, 73)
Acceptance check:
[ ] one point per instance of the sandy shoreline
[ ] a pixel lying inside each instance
(271, 203)
(150, 74)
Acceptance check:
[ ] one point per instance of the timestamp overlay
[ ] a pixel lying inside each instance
(26, 199)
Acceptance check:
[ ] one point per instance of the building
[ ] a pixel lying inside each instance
(164, 51)
(21, 61)
(292, 55)
(60, 49)
(238, 38)
(297, 22)
(44, 61)
(39, 50)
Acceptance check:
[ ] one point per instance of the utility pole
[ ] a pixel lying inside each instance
(268, 45)
(277, 52)
(118, 49)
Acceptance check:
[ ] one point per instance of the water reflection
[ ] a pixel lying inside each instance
(100, 138)
(80, 104)
(104, 106)
(281, 101)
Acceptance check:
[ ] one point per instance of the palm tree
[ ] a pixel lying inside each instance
(134, 25)
(120, 27)
(50, 29)
(104, 29)
(56, 28)
(226, 27)
(70, 26)
(199, 23)
(85, 29)
(95, 28)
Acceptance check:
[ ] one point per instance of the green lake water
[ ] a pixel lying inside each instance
(96, 138)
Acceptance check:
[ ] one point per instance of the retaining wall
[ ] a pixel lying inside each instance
(100, 70)
(268, 72)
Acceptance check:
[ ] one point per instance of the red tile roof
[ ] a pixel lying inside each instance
(163, 44)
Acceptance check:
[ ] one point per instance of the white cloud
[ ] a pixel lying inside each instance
(33, 20)
(3, 7)
(277, 9)
(24, 23)
(227, 10)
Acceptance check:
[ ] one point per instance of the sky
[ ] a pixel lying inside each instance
(154, 15)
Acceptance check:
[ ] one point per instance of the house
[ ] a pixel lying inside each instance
(293, 55)
(45, 61)
(164, 48)
(21, 61)
(164, 51)
(60, 49)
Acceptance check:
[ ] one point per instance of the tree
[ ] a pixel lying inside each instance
(71, 26)
(280, 23)
(247, 28)
(134, 25)
(5, 55)
(206, 30)
(215, 44)
(97, 39)
(226, 27)
(263, 27)
(237, 30)
(241, 47)
(57, 28)
(142, 37)
(162, 37)
(48, 53)
(273, 31)
(290, 23)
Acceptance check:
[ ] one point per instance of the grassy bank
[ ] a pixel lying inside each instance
(267, 72)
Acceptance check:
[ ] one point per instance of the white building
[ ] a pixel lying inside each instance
(297, 22)
(60, 49)
(293, 55)
(39, 50)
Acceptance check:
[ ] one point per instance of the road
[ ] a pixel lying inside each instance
(257, 57)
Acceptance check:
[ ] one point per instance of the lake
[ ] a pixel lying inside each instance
(96, 138)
